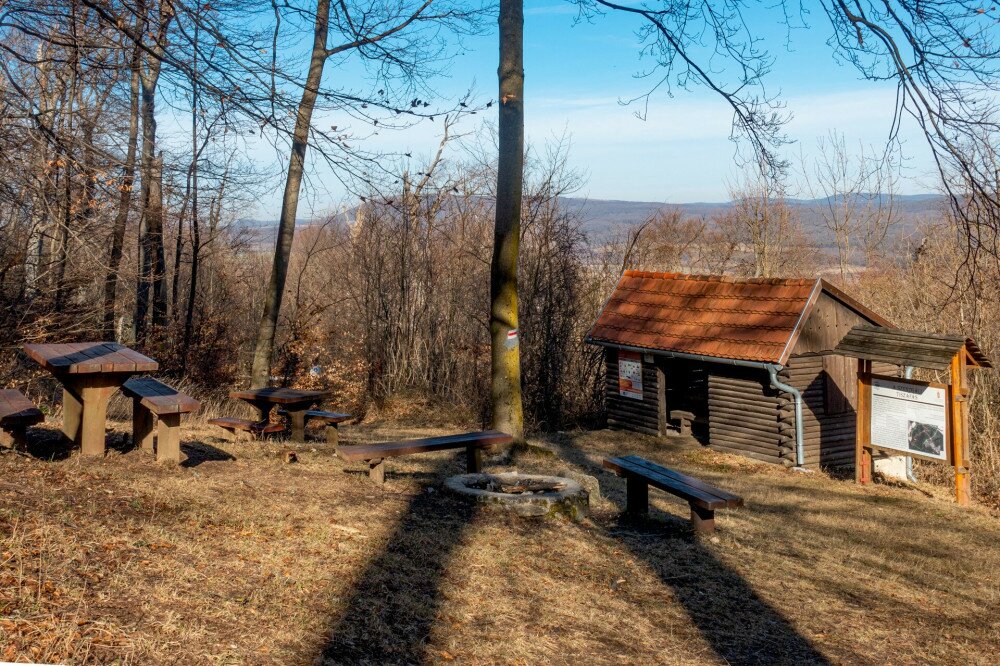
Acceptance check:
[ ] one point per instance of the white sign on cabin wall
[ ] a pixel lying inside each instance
(910, 417)
(630, 375)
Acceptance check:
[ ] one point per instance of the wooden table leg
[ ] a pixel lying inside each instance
(297, 419)
(332, 434)
(72, 414)
(85, 409)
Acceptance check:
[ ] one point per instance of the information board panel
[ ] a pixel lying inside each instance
(910, 416)
(630, 375)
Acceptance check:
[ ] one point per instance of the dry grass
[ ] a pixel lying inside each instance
(240, 558)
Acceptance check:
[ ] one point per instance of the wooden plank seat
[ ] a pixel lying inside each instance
(640, 473)
(252, 428)
(331, 420)
(16, 414)
(151, 399)
(472, 442)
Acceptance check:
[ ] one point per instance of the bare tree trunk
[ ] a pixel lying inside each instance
(124, 201)
(151, 260)
(264, 347)
(505, 393)
(195, 231)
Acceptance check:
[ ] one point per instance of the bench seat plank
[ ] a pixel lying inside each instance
(327, 417)
(690, 489)
(733, 501)
(17, 410)
(158, 397)
(233, 423)
(426, 445)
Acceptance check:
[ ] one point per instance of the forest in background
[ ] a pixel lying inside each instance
(110, 229)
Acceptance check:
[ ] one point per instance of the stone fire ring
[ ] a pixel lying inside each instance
(530, 495)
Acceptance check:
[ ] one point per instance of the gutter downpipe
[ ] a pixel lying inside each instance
(800, 448)
(772, 371)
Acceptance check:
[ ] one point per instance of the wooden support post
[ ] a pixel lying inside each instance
(168, 438)
(376, 470)
(72, 415)
(661, 400)
(702, 520)
(332, 434)
(473, 459)
(6, 438)
(959, 414)
(862, 455)
(142, 426)
(636, 497)
(297, 419)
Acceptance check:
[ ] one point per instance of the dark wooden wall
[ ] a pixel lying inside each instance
(629, 413)
(745, 414)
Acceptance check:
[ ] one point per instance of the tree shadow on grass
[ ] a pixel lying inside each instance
(199, 452)
(394, 604)
(739, 626)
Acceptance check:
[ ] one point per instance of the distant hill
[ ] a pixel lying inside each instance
(600, 216)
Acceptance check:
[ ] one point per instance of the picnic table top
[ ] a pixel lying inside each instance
(89, 357)
(280, 396)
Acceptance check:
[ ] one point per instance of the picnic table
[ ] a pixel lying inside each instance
(90, 373)
(293, 401)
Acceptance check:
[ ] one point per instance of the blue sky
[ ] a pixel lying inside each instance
(578, 72)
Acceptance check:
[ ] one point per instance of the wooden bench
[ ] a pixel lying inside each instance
(253, 429)
(640, 473)
(472, 442)
(330, 419)
(151, 397)
(683, 420)
(16, 414)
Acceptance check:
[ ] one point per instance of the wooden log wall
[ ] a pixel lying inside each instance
(745, 416)
(828, 397)
(629, 413)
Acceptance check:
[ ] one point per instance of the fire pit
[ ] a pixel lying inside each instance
(524, 494)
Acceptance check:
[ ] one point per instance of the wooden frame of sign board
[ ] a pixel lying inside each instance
(956, 424)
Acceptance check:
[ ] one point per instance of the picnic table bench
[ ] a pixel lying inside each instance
(640, 473)
(232, 425)
(152, 398)
(332, 420)
(296, 402)
(16, 414)
(683, 419)
(90, 373)
(472, 442)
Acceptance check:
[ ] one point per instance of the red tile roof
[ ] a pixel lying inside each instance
(749, 319)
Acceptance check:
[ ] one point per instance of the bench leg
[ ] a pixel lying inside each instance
(702, 520)
(142, 426)
(7, 438)
(473, 459)
(332, 434)
(636, 497)
(168, 438)
(685, 428)
(376, 471)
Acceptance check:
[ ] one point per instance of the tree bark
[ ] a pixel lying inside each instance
(505, 393)
(264, 347)
(152, 264)
(124, 201)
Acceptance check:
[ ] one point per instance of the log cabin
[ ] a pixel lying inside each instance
(751, 361)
